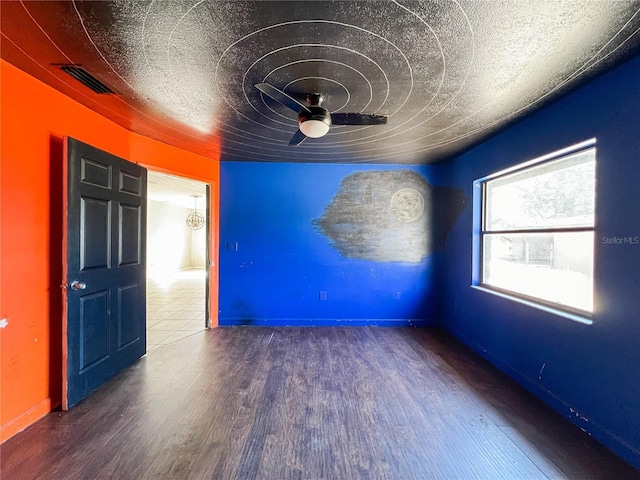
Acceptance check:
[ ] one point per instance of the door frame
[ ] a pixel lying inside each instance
(210, 239)
(65, 270)
(207, 259)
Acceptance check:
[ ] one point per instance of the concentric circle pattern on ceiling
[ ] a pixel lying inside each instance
(447, 73)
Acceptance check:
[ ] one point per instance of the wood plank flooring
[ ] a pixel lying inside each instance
(309, 403)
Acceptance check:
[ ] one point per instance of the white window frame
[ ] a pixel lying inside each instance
(480, 231)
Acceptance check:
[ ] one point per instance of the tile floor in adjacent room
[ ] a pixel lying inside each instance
(175, 307)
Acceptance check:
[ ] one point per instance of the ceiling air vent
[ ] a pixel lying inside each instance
(87, 79)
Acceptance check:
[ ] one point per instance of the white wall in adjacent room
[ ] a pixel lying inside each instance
(198, 247)
(170, 242)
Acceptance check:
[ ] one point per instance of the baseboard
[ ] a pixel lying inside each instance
(614, 443)
(325, 322)
(25, 419)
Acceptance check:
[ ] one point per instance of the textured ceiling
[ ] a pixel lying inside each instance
(449, 73)
(176, 190)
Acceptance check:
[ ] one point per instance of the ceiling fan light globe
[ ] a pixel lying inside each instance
(314, 128)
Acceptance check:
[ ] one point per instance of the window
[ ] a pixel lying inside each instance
(537, 231)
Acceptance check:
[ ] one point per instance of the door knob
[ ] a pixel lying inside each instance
(76, 285)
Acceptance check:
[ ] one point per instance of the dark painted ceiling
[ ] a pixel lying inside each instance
(449, 73)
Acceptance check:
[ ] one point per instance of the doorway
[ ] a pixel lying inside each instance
(177, 226)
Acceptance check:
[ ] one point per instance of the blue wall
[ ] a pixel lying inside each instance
(283, 262)
(591, 373)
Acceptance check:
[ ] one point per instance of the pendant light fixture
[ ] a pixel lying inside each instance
(195, 220)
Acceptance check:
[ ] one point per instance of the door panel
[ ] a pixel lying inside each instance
(129, 232)
(128, 321)
(105, 315)
(95, 248)
(94, 329)
(95, 173)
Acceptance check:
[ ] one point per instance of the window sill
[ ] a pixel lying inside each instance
(545, 308)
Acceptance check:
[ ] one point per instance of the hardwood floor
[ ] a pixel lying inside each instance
(309, 403)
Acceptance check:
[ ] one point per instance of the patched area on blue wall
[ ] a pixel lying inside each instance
(388, 216)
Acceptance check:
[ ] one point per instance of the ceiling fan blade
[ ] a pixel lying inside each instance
(358, 119)
(297, 139)
(281, 97)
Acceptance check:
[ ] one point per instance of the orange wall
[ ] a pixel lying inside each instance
(34, 118)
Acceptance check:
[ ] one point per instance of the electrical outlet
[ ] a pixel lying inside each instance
(323, 295)
(397, 295)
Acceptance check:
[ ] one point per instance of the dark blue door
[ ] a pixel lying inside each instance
(105, 285)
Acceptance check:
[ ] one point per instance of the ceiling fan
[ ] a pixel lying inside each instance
(314, 121)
